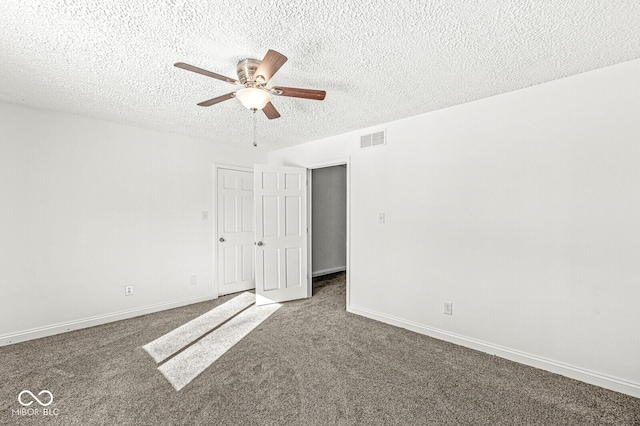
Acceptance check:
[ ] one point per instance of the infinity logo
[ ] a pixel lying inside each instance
(35, 397)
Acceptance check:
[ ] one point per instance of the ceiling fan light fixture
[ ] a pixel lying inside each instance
(253, 98)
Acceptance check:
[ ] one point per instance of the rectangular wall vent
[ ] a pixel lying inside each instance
(373, 139)
(378, 139)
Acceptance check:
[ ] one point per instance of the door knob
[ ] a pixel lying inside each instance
(221, 240)
(260, 243)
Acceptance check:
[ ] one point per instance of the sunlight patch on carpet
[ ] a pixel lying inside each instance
(187, 365)
(172, 342)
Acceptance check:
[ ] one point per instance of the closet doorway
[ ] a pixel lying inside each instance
(329, 225)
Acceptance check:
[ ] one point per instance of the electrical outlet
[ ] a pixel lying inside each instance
(128, 290)
(448, 308)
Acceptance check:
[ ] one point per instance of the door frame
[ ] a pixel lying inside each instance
(345, 161)
(214, 215)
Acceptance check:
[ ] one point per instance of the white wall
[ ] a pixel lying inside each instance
(90, 206)
(329, 220)
(522, 209)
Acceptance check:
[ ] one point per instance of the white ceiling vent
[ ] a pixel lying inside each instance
(373, 139)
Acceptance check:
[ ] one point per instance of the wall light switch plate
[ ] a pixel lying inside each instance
(380, 217)
(128, 290)
(205, 215)
(448, 308)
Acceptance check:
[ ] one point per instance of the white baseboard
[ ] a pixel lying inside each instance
(328, 271)
(50, 330)
(570, 371)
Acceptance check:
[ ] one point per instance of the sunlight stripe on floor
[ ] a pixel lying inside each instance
(187, 365)
(165, 346)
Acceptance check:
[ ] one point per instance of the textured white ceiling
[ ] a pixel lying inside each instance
(378, 60)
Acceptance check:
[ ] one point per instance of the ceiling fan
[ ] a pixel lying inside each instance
(253, 76)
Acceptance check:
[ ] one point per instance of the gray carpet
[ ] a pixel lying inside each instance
(309, 363)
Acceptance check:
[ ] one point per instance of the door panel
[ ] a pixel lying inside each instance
(235, 227)
(270, 180)
(229, 265)
(292, 216)
(270, 217)
(270, 270)
(229, 202)
(281, 234)
(292, 266)
(292, 181)
(247, 263)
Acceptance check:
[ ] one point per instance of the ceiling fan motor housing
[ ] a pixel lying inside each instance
(246, 70)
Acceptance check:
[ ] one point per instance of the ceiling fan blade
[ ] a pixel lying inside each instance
(293, 92)
(218, 99)
(270, 65)
(270, 111)
(205, 72)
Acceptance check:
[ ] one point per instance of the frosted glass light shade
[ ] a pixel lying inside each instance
(253, 98)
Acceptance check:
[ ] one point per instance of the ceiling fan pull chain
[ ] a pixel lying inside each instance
(255, 137)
